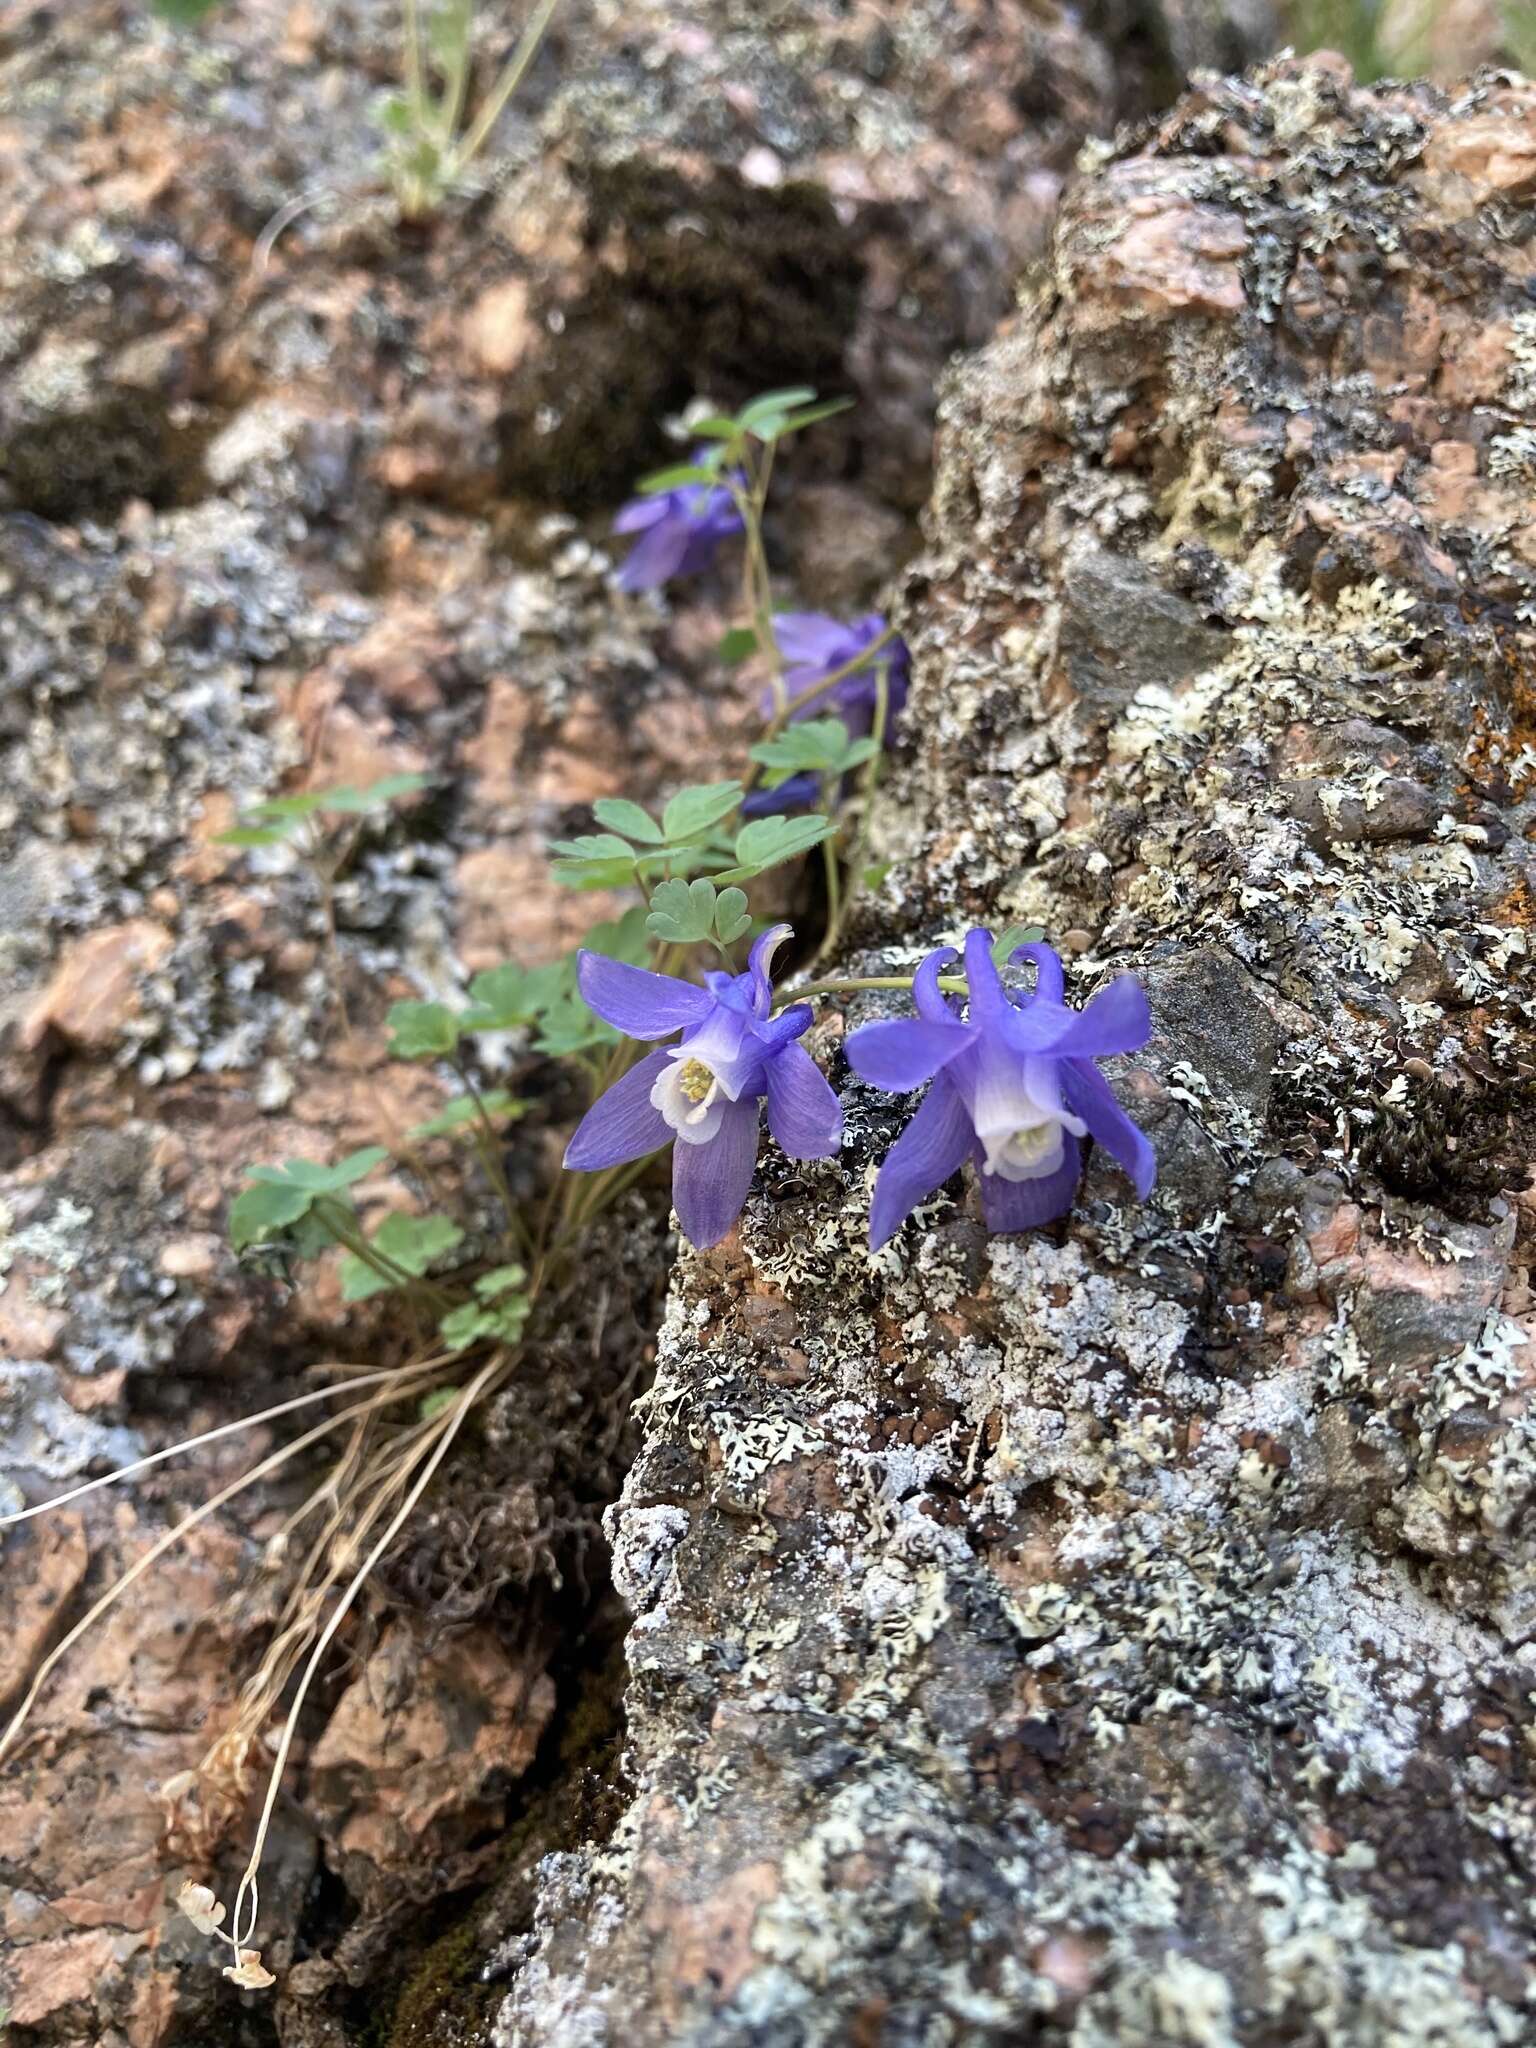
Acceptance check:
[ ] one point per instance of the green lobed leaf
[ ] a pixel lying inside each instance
(682, 912)
(1016, 935)
(373, 796)
(808, 416)
(393, 115)
(263, 1211)
(422, 1031)
(674, 478)
(569, 1026)
(430, 1406)
(698, 809)
(318, 1178)
(182, 13)
(503, 998)
(255, 835)
(819, 746)
(766, 842)
(411, 1242)
(500, 1322)
(732, 916)
(624, 938)
(597, 860)
(772, 404)
(500, 1280)
(620, 815)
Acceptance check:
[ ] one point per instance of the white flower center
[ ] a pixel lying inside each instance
(1027, 1153)
(688, 1095)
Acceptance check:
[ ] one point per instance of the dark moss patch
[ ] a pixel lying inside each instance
(715, 285)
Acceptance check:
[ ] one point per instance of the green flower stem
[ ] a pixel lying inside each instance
(488, 1146)
(338, 1221)
(952, 984)
(837, 908)
(829, 681)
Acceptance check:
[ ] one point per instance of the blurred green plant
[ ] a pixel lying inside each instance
(428, 145)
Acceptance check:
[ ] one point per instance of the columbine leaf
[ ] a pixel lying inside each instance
(682, 912)
(500, 1280)
(768, 841)
(256, 835)
(697, 809)
(714, 427)
(1016, 935)
(620, 815)
(809, 416)
(569, 1026)
(264, 1210)
(673, 479)
(772, 405)
(373, 796)
(818, 746)
(500, 1321)
(421, 1031)
(598, 860)
(318, 1178)
(736, 645)
(503, 998)
(432, 1405)
(624, 938)
(732, 916)
(498, 1105)
(392, 113)
(410, 1242)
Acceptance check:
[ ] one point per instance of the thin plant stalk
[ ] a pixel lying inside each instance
(212, 1436)
(452, 1420)
(156, 1551)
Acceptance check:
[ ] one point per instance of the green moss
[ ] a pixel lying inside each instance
(713, 286)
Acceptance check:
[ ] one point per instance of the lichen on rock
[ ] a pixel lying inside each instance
(1121, 1634)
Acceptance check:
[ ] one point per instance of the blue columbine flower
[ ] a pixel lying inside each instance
(1014, 1089)
(679, 530)
(707, 1091)
(814, 646)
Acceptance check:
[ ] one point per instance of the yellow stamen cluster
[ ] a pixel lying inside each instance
(695, 1081)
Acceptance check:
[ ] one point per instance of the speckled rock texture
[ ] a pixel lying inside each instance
(290, 495)
(1126, 1634)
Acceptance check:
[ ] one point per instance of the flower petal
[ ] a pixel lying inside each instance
(710, 1182)
(1050, 982)
(986, 989)
(1117, 1020)
(640, 513)
(1091, 1096)
(812, 639)
(934, 1145)
(657, 556)
(790, 795)
(1026, 1204)
(899, 1054)
(760, 965)
(622, 1124)
(804, 1115)
(932, 1003)
(637, 1002)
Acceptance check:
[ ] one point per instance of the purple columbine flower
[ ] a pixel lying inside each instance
(814, 645)
(679, 532)
(1015, 1089)
(707, 1091)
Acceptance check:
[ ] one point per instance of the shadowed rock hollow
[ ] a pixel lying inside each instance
(1123, 1634)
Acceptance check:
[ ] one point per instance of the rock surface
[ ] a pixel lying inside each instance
(1126, 1634)
(292, 496)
